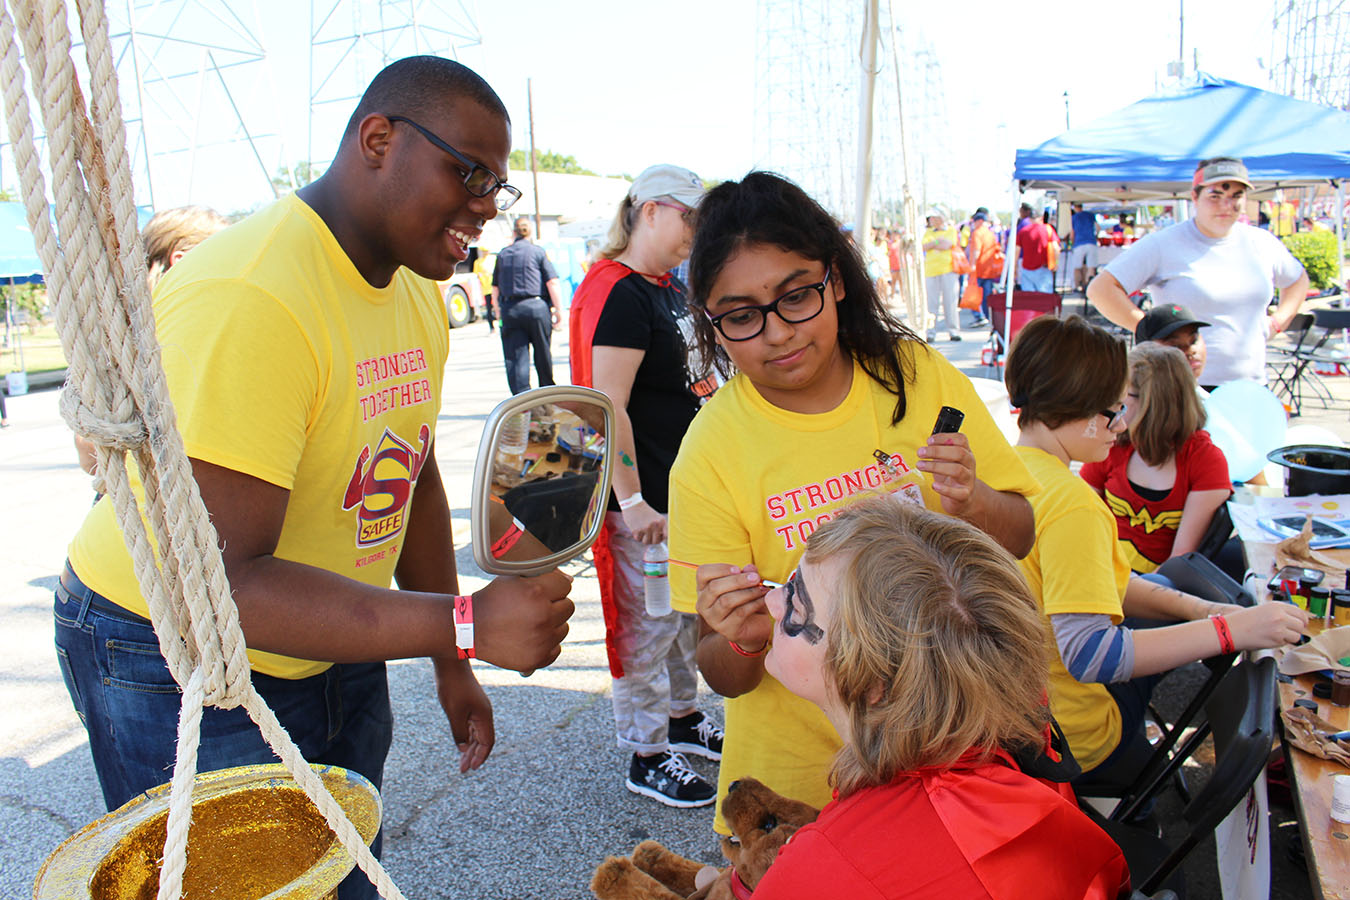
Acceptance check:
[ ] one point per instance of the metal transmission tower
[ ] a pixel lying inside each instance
(188, 72)
(351, 40)
(1310, 50)
(807, 75)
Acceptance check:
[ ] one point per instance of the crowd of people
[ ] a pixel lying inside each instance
(886, 609)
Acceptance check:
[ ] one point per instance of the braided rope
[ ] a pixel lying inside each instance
(116, 394)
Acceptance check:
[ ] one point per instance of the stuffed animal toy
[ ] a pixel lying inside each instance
(761, 823)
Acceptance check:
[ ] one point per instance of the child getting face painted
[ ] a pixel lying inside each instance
(916, 636)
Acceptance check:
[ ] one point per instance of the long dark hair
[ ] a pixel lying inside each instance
(764, 208)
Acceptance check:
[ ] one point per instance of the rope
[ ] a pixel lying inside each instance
(116, 393)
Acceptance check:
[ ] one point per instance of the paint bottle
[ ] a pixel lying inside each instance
(1318, 599)
(1340, 607)
(1340, 688)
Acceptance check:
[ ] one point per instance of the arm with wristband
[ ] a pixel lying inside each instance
(613, 372)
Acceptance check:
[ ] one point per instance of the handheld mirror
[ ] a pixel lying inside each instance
(541, 480)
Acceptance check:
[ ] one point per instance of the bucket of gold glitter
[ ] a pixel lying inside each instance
(254, 834)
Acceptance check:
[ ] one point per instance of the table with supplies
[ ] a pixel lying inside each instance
(1326, 842)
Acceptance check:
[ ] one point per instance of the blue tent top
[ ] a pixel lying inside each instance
(1151, 147)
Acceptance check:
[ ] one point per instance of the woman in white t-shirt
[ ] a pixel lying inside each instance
(1221, 269)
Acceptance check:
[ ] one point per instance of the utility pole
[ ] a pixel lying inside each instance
(862, 217)
(534, 156)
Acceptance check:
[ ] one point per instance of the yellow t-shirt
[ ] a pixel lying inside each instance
(1076, 566)
(285, 364)
(752, 481)
(938, 262)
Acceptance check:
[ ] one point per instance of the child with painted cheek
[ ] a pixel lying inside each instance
(1114, 634)
(829, 398)
(916, 637)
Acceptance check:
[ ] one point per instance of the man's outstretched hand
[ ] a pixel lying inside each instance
(520, 623)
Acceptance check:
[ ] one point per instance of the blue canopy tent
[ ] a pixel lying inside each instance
(1148, 150)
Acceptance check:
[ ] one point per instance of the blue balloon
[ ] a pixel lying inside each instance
(1246, 421)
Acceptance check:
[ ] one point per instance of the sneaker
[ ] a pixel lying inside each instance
(696, 734)
(667, 778)
(953, 336)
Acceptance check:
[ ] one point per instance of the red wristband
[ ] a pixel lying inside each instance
(746, 653)
(1226, 644)
(504, 543)
(464, 627)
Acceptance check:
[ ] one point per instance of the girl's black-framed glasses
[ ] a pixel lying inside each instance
(796, 306)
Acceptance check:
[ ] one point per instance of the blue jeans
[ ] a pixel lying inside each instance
(129, 704)
(987, 286)
(1040, 280)
(527, 324)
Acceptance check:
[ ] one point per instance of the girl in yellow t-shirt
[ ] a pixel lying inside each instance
(834, 400)
(1068, 378)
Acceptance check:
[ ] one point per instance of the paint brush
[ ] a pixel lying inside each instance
(688, 565)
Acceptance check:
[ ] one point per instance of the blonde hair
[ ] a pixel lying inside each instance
(935, 647)
(621, 229)
(1168, 409)
(173, 230)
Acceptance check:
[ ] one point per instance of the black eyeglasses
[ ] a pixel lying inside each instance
(796, 306)
(481, 181)
(1113, 416)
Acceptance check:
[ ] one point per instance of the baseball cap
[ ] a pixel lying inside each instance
(1160, 321)
(667, 181)
(1221, 171)
(980, 216)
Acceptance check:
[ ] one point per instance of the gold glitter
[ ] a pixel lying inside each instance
(254, 834)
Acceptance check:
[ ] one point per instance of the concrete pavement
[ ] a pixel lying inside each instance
(532, 823)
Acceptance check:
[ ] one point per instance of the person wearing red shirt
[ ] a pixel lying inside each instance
(895, 614)
(1033, 253)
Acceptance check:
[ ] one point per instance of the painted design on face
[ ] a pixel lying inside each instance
(625, 459)
(1091, 430)
(797, 600)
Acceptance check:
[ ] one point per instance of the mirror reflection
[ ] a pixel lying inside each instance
(545, 481)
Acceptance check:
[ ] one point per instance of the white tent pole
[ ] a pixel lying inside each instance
(1010, 269)
(1340, 232)
(862, 230)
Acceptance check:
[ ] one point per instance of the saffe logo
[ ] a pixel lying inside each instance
(382, 489)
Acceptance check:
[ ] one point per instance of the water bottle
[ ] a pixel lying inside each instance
(515, 439)
(655, 580)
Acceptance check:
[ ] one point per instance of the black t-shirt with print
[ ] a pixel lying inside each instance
(643, 316)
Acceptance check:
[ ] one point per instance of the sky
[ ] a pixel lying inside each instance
(623, 84)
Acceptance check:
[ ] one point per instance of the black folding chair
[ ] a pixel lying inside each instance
(1284, 363)
(1194, 574)
(1241, 712)
(1294, 366)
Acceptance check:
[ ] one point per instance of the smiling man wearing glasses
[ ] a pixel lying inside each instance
(308, 344)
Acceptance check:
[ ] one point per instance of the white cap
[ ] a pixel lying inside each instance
(667, 181)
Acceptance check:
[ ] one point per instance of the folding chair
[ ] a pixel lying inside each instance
(1295, 366)
(1026, 306)
(1282, 358)
(1194, 574)
(1242, 713)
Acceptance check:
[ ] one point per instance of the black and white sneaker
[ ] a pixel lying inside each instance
(696, 734)
(667, 778)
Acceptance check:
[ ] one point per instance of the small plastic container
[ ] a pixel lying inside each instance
(1340, 607)
(1319, 598)
(1340, 688)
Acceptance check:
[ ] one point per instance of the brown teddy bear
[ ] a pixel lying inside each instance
(761, 823)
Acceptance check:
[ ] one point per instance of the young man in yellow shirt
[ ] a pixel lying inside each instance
(304, 350)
